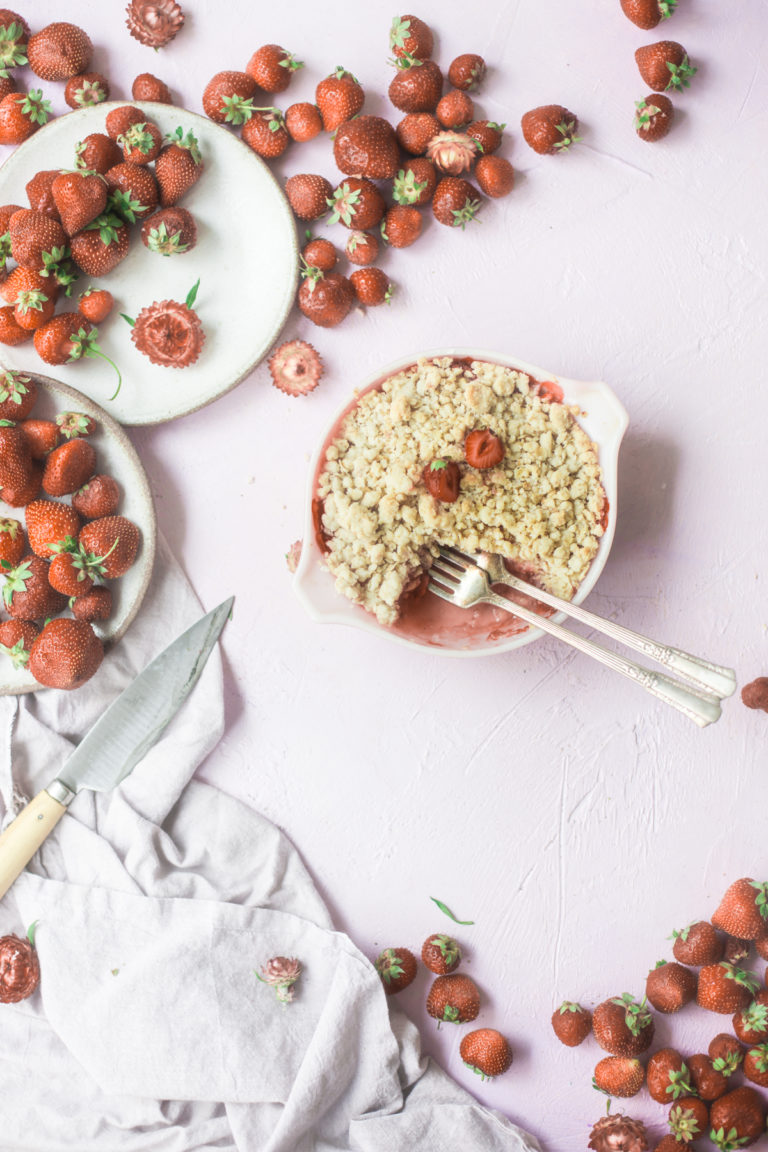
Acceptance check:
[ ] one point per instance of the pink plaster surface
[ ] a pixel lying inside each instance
(573, 818)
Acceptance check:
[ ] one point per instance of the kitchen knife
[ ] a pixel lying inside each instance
(117, 741)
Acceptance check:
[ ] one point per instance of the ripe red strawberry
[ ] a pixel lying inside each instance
(327, 300)
(619, 1076)
(141, 143)
(68, 467)
(295, 368)
(356, 203)
(119, 120)
(16, 637)
(415, 183)
(698, 944)
(366, 146)
(339, 97)
(93, 605)
(751, 1023)
(322, 254)
(726, 1053)
(571, 1023)
(397, 968)
(42, 436)
(266, 134)
(415, 131)
(79, 198)
(455, 202)
(97, 153)
(7, 86)
(664, 65)
(688, 1120)
(486, 1052)
(410, 36)
(653, 118)
(33, 236)
(11, 331)
(708, 1082)
(102, 245)
(15, 457)
(133, 191)
(495, 175)
(669, 987)
(441, 954)
(169, 232)
(12, 542)
(73, 424)
(27, 594)
(115, 540)
(54, 341)
(22, 493)
(417, 86)
(401, 226)
(228, 98)
(622, 1026)
(362, 248)
(455, 109)
(86, 89)
(756, 1065)
(467, 72)
(761, 943)
(487, 133)
(308, 195)
(21, 114)
(724, 988)
(96, 304)
(736, 950)
(483, 449)
(550, 128)
(65, 654)
(59, 51)
(22, 280)
(178, 167)
(667, 1076)
(6, 211)
(372, 286)
(14, 33)
(737, 1119)
(272, 67)
(67, 571)
(149, 88)
(99, 497)
(18, 395)
(442, 479)
(454, 999)
(48, 523)
(743, 910)
(648, 13)
(303, 122)
(40, 194)
(34, 308)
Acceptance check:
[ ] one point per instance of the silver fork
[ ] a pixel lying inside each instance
(460, 580)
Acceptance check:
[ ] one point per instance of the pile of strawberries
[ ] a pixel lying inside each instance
(66, 549)
(664, 66)
(453, 998)
(699, 1089)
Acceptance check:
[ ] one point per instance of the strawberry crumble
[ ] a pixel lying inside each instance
(542, 506)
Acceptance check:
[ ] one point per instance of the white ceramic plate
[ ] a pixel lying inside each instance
(115, 456)
(602, 417)
(246, 258)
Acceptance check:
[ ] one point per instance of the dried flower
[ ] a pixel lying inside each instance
(618, 1133)
(281, 972)
(154, 22)
(19, 969)
(452, 152)
(169, 332)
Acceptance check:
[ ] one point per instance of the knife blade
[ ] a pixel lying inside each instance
(118, 740)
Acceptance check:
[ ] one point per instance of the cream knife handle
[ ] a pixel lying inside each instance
(25, 834)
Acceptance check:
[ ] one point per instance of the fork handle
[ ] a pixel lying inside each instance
(713, 677)
(702, 708)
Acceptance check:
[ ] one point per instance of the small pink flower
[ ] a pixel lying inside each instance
(281, 972)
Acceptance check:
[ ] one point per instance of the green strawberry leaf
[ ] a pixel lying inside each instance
(443, 907)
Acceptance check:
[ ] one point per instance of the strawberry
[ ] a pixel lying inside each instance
(743, 910)
(326, 300)
(27, 594)
(97, 153)
(755, 694)
(618, 1076)
(86, 89)
(22, 280)
(141, 143)
(14, 33)
(42, 437)
(6, 211)
(48, 523)
(65, 654)
(356, 203)
(756, 1065)
(401, 226)
(12, 542)
(417, 86)
(467, 72)
(667, 1076)
(415, 183)
(79, 197)
(99, 497)
(93, 605)
(455, 109)
(648, 13)
(322, 254)
(486, 1052)
(303, 122)
(415, 131)
(119, 120)
(441, 954)
(149, 88)
(495, 175)
(653, 117)
(366, 146)
(724, 988)
(59, 51)
(410, 36)
(698, 944)
(664, 65)
(397, 968)
(54, 342)
(442, 478)
(7, 86)
(11, 331)
(736, 950)
(571, 1023)
(708, 1081)
(95, 304)
(688, 1119)
(178, 167)
(169, 232)
(33, 236)
(339, 97)
(102, 245)
(73, 424)
(761, 943)
(20, 494)
(726, 1053)
(68, 467)
(751, 1023)
(454, 999)
(622, 1026)
(40, 192)
(372, 286)
(487, 133)
(455, 202)
(34, 308)
(21, 114)
(132, 191)
(15, 456)
(115, 540)
(308, 195)
(67, 570)
(228, 98)
(265, 133)
(362, 248)
(452, 152)
(669, 987)
(549, 129)
(16, 638)
(737, 1119)
(483, 449)
(18, 394)
(295, 368)
(272, 67)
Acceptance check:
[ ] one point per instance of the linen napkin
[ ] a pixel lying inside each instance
(155, 904)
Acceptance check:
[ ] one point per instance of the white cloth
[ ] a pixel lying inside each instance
(154, 904)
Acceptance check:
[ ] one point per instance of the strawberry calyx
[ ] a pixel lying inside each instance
(450, 1015)
(107, 225)
(273, 116)
(683, 1124)
(569, 1006)
(389, 966)
(159, 240)
(13, 387)
(88, 564)
(5, 246)
(18, 653)
(34, 107)
(645, 113)
(237, 109)
(137, 136)
(12, 54)
(290, 62)
(727, 1064)
(33, 298)
(667, 8)
(449, 949)
(344, 204)
(57, 263)
(759, 1055)
(189, 142)
(728, 1141)
(399, 32)
(74, 424)
(567, 130)
(680, 74)
(682, 933)
(342, 74)
(463, 216)
(15, 579)
(85, 343)
(636, 1016)
(761, 900)
(484, 1075)
(745, 979)
(406, 61)
(122, 204)
(406, 189)
(311, 273)
(755, 1018)
(679, 1083)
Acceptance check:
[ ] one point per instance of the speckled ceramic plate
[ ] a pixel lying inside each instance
(116, 456)
(246, 258)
